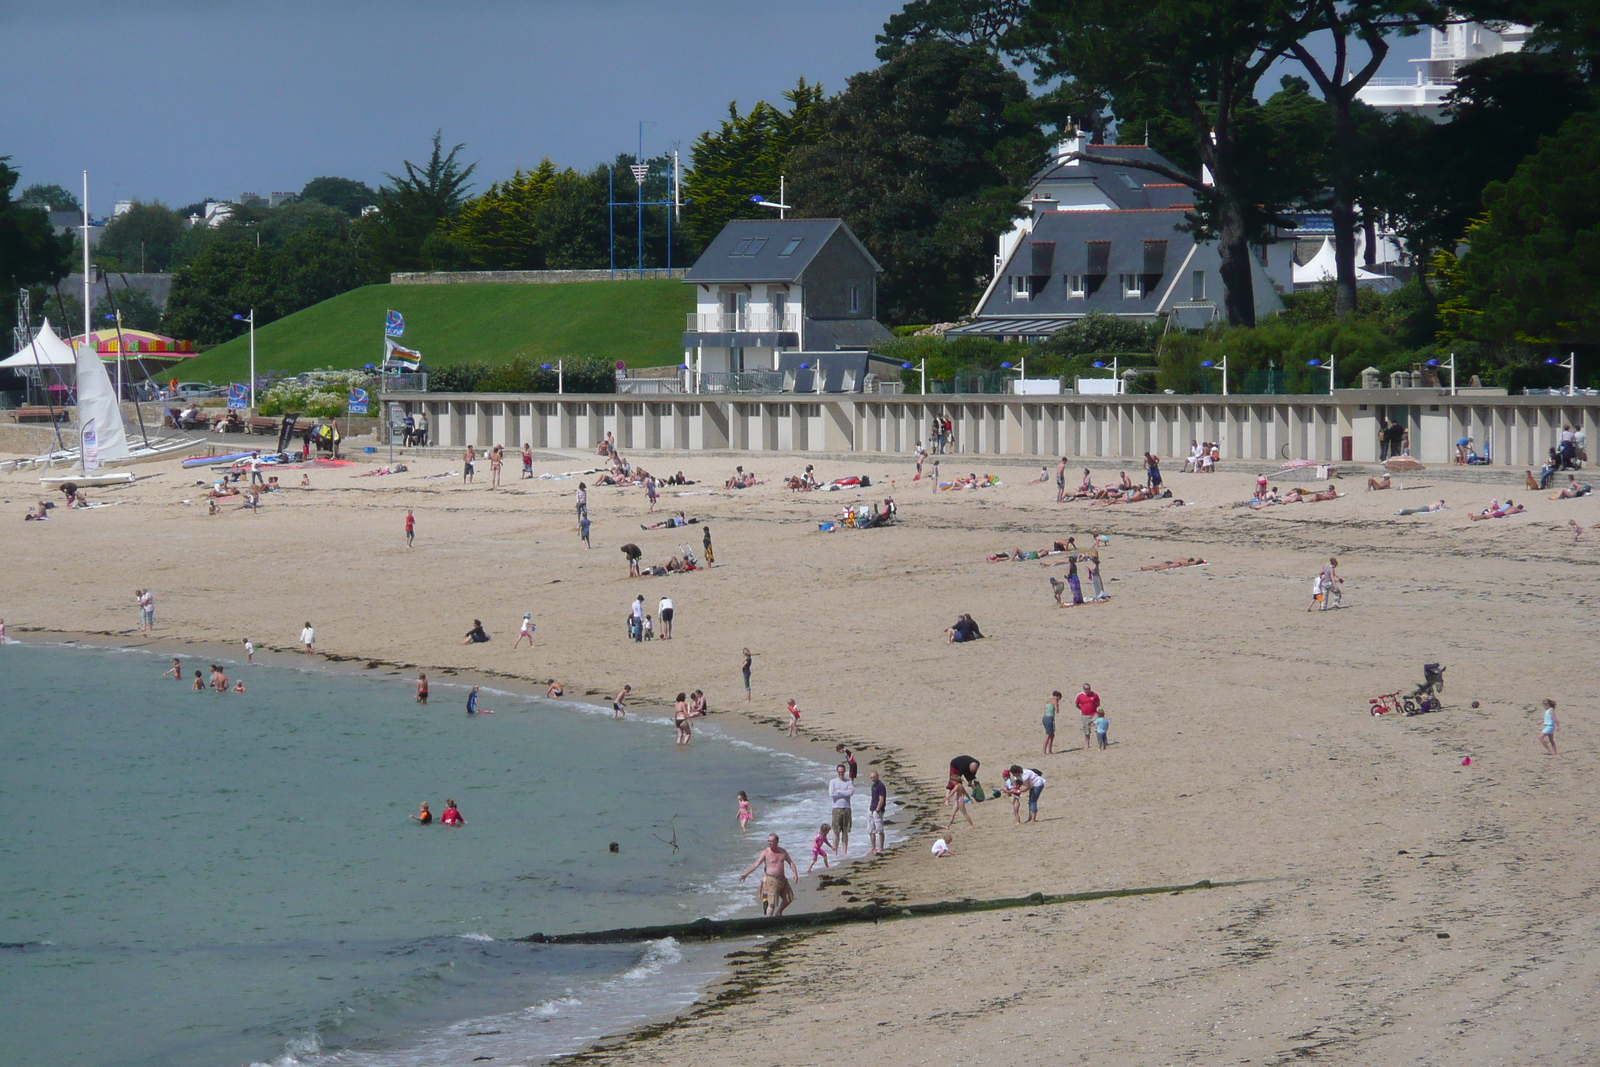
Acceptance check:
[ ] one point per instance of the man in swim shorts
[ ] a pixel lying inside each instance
(775, 893)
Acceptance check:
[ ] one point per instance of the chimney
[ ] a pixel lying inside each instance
(1073, 140)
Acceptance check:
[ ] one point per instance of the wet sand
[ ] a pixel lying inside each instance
(1241, 748)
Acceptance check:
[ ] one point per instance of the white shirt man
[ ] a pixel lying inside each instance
(664, 609)
(840, 790)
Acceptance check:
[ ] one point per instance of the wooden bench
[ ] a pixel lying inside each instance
(38, 414)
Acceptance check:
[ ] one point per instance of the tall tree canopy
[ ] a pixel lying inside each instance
(145, 237)
(1531, 274)
(926, 157)
(346, 194)
(30, 251)
(744, 157)
(1198, 61)
(416, 205)
(53, 197)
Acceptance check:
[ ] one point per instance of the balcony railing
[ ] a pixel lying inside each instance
(755, 320)
(751, 381)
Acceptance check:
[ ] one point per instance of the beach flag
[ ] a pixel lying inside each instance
(238, 397)
(358, 401)
(394, 324)
(408, 359)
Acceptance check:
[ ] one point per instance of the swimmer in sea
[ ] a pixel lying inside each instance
(422, 687)
(176, 671)
(619, 706)
(199, 686)
(472, 704)
(239, 688)
(452, 815)
(424, 817)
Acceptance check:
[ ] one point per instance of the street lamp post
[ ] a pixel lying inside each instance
(1221, 365)
(1571, 363)
(251, 319)
(1450, 363)
(1316, 363)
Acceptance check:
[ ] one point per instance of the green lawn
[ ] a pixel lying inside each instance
(639, 322)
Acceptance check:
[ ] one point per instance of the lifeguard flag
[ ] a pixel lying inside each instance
(394, 324)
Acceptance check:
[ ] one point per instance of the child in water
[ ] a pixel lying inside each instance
(239, 688)
(452, 815)
(745, 814)
(472, 704)
(794, 718)
(819, 849)
(199, 685)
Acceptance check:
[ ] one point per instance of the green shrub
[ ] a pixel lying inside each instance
(327, 397)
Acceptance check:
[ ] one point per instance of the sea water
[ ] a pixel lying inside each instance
(201, 879)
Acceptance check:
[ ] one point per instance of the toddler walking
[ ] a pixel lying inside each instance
(1100, 725)
(819, 849)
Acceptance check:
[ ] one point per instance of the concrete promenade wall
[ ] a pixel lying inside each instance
(530, 277)
(1518, 430)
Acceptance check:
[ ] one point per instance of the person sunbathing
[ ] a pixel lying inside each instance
(1374, 484)
(679, 479)
(1573, 489)
(1018, 554)
(1493, 511)
(1425, 510)
(1173, 564)
(1175, 503)
(671, 523)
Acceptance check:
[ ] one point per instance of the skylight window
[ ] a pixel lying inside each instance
(794, 243)
(740, 248)
(1127, 179)
(756, 246)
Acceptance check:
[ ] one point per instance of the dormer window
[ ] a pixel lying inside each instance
(1076, 286)
(1133, 286)
(1021, 287)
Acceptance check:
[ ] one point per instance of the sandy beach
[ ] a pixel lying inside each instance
(1397, 906)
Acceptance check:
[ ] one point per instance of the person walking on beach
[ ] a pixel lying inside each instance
(497, 458)
(583, 500)
(651, 494)
(840, 790)
(849, 759)
(745, 670)
(619, 706)
(526, 633)
(959, 789)
(411, 528)
(1547, 732)
(705, 544)
(583, 531)
(1088, 703)
(145, 601)
(308, 637)
(527, 462)
(775, 893)
(422, 687)
(819, 848)
(665, 608)
(1061, 480)
(794, 717)
(936, 473)
(1327, 586)
(745, 814)
(467, 459)
(1052, 708)
(249, 653)
(876, 809)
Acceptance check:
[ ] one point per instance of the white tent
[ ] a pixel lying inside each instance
(47, 350)
(1322, 268)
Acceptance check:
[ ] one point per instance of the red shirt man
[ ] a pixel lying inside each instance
(1088, 707)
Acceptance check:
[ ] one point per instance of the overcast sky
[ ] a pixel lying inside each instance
(180, 100)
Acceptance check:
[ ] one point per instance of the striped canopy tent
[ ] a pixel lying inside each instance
(139, 342)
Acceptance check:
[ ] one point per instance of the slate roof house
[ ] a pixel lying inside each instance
(1106, 237)
(771, 294)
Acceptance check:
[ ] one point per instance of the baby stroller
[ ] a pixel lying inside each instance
(1425, 697)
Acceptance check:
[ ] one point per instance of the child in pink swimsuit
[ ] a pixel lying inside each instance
(745, 815)
(819, 849)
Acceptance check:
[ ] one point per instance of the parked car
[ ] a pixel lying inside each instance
(196, 391)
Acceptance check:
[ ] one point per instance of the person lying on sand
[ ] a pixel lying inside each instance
(671, 523)
(1374, 484)
(1173, 564)
(1175, 503)
(1018, 554)
(1425, 510)
(1495, 511)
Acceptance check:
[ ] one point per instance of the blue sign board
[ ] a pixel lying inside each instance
(238, 397)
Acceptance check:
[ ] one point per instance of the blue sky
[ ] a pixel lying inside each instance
(183, 99)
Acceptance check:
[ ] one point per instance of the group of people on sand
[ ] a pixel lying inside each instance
(1497, 510)
(1203, 457)
(742, 479)
(1071, 585)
